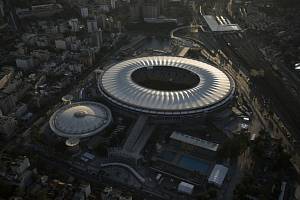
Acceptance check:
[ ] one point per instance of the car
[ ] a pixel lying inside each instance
(245, 118)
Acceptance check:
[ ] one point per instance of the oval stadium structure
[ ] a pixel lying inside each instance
(166, 86)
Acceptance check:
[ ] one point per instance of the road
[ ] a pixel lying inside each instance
(281, 86)
(283, 102)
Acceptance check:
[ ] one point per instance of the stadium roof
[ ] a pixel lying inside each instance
(209, 87)
(81, 119)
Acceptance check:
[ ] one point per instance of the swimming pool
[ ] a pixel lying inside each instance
(192, 164)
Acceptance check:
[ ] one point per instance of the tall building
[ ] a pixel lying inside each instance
(113, 4)
(101, 19)
(92, 25)
(163, 4)
(100, 33)
(119, 26)
(151, 9)
(97, 38)
(1, 8)
(135, 12)
(84, 12)
(74, 25)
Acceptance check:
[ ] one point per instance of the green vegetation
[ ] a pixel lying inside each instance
(232, 148)
(36, 135)
(101, 150)
(249, 187)
(209, 194)
(288, 3)
(6, 191)
(272, 163)
(263, 150)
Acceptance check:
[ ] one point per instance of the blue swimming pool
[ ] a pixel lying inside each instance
(193, 164)
(167, 155)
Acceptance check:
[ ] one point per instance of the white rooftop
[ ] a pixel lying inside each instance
(80, 119)
(194, 141)
(185, 188)
(216, 27)
(218, 175)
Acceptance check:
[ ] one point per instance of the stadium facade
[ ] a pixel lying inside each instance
(166, 87)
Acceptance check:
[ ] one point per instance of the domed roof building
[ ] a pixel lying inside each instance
(80, 119)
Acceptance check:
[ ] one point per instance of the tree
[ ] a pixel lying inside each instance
(232, 148)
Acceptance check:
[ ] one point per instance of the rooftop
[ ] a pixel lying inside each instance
(166, 85)
(81, 119)
(194, 141)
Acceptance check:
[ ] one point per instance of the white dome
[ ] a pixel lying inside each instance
(80, 119)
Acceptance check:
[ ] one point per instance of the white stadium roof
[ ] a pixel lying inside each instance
(81, 119)
(213, 88)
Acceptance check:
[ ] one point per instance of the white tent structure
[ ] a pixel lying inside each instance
(185, 188)
(218, 175)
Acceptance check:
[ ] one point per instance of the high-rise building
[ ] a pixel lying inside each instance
(92, 25)
(101, 20)
(1, 8)
(119, 26)
(135, 11)
(163, 4)
(84, 12)
(100, 33)
(151, 9)
(97, 38)
(113, 4)
(74, 25)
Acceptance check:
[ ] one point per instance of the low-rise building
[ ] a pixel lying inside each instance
(8, 126)
(110, 193)
(217, 175)
(60, 44)
(15, 171)
(25, 62)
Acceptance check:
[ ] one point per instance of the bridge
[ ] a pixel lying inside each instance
(186, 41)
(133, 171)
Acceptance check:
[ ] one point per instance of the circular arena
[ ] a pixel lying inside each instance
(168, 86)
(81, 119)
